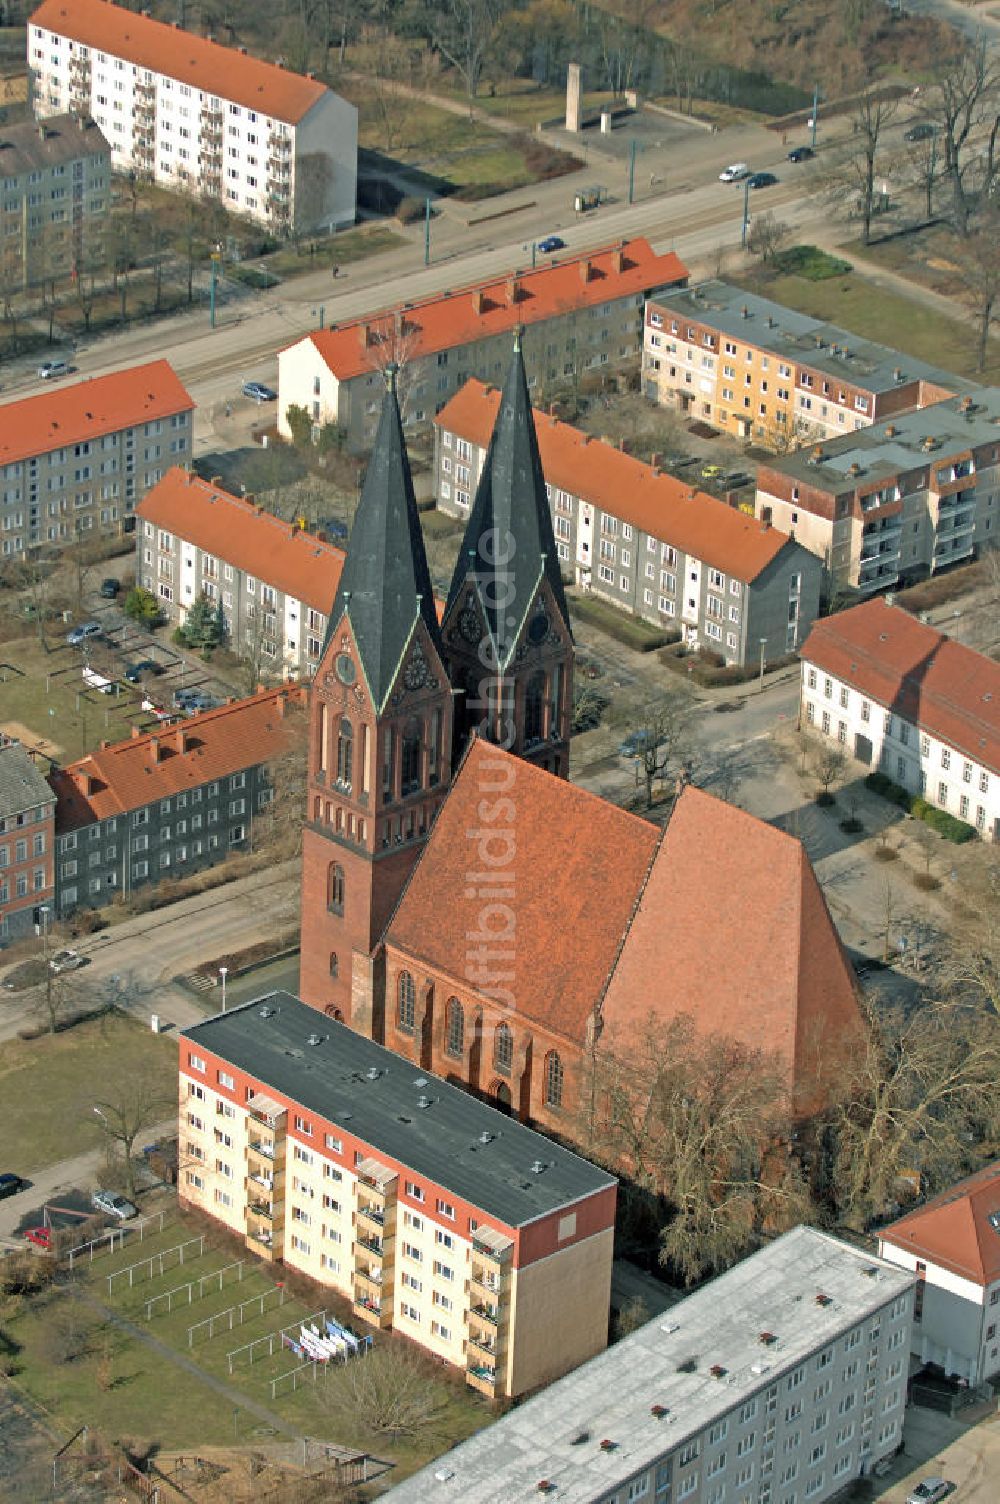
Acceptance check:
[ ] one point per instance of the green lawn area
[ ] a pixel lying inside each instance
(48, 1086)
(878, 314)
(45, 692)
(339, 250)
(626, 629)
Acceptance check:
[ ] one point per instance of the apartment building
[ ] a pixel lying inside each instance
(433, 1213)
(761, 372)
(643, 540)
(951, 1244)
(780, 1381)
(183, 111)
(27, 843)
(897, 501)
(76, 460)
(170, 802)
(901, 697)
(276, 582)
(580, 313)
(55, 191)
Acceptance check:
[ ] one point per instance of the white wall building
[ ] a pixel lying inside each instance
(952, 1245)
(779, 1382)
(190, 114)
(902, 698)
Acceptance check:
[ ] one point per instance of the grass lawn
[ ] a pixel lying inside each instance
(48, 1085)
(626, 629)
(878, 314)
(339, 250)
(45, 693)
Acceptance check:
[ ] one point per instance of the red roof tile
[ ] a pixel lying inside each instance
(126, 775)
(87, 409)
(618, 483)
(950, 691)
(180, 54)
(956, 1229)
(732, 929)
(572, 898)
(242, 534)
(482, 309)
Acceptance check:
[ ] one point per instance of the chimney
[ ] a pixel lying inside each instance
(398, 324)
(621, 445)
(765, 524)
(251, 498)
(854, 468)
(216, 480)
(897, 373)
(817, 452)
(136, 733)
(656, 460)
(965, 405)
(618, 258)
(477, 301)
(585, 270)
(363, 332)
(891, 430)
(553, 409)
(281, 705)
(243, 51)
(182, 740)
(156, 752)
(513, 290)
(744, 312)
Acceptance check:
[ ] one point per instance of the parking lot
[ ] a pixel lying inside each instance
(967, 1455)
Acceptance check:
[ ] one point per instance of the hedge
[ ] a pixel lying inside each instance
(938, 819)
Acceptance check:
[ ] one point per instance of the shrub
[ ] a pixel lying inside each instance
(886, 854)
(926, 882)
(810, 262)
(878, 783)
(946, 825)
(409, 209)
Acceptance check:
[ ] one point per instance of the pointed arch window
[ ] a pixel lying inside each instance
(503, 1050)
(534, 710)
(345, 754)
(553, 1079)
(335, 888)
(411, 750)
(406, 1002)
(454, 1029)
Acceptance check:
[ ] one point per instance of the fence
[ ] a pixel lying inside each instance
(269, 1340)
(105, 1241)
(234, 1315)
(206, 1279)
(156, 1260)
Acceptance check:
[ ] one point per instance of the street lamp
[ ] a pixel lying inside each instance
(223, 972)
(763, 645)
(746, 212)
(320, 313)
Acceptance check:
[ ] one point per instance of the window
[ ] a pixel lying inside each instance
(345, 753)
(226, 1080)
(445, 1209)
(303, 1125)
(503, 1050)
(335, 888)
(454, 1028)
(553, 1079)
(406, 1000)
(196, 1063)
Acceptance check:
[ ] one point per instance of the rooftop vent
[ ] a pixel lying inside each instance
(545, 1487)
(891, 430)
(373, 1073)
(579, 1439)
(767, 1338)
(609, 1446)
(420, 1082)
(897, 374)
(717, 1371)
(824, 1300)
(688, 1366)
(659, 1411)
(315, 1039)
(537, 1167)
(870, 1271)
(424, 1101)
(744, 312)
(487, 1137)
(267, 1012)
(759, 1368)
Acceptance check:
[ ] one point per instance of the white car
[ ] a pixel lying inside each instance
(66, 960)
(929, 1491)
(734, 173)
(113, 1206)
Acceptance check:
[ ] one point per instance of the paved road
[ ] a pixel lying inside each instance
(968, 1455)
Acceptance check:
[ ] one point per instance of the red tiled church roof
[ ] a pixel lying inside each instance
(624, 486)
(194, 60)
(483, 309)
(240, 533)
(945, 688)
(956, 1230)
(123, 776)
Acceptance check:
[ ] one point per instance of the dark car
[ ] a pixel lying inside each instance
(761, 180)
(110, 588)
(801, 154)
(551, 243)
(134, 671)
(637, 743)
(10, 1185)
(923, 131)
(258, 392)
(199, 703)
(183, 696)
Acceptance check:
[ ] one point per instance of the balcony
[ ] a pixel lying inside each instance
(372, 1310)
(261, 1149)
(372, 1214)
(482, 1376)
(267, 1211)
(488, 1315)
(483, 1346)
(264, 1243)
(485, 1283)
(367, 1245)
(279, 145)
(212, 119)
(211, 141)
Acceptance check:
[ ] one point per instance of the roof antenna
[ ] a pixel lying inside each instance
(391, 372)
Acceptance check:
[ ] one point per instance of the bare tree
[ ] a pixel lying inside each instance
(979, 271)
(963, 102)
(664, 731)
(465, 33)
(873, 114)
(394, 1392)
(391, 88)
(132, 1111)
(828, 761)
(767, 236)
(279, 825)
(970, 963)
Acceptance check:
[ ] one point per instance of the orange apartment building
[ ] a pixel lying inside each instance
(764, 373)
(580, 314)
(432, 1213)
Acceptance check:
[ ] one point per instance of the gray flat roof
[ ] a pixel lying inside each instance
(880, 455)
(610, 1398)
(33, 145)
(799, 338)
(440, 1140)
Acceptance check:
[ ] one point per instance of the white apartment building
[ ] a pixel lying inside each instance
(77, 459)
(901, 697)
(777, 1383)
(190, 114)
(952, 1245)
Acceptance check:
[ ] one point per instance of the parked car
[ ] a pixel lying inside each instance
(762, 180)
(113, 1205)
(551, 243)
(801, 154)
(135, 671)
(258, 392)
(199, 703)
(49, 369)
(734, 173)
(80, 634)
(711, 472)
(183, 695)
(40, 1236)
(110, 588)
(922, 131)
(930, 1491)
(636, 743)
(10, 1185)
(66, 960)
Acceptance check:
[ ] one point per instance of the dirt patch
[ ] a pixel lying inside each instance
(17, 731)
